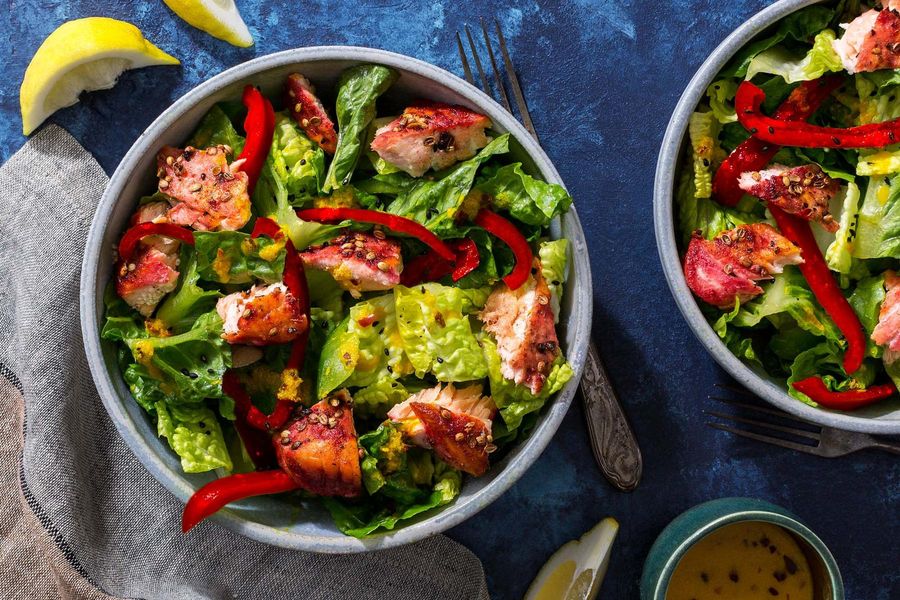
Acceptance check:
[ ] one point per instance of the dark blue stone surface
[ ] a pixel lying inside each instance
(601, 79)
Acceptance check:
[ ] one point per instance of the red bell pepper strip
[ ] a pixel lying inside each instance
(816, 389)
(130, 239)
(823, 286)
(249, 423)
(512, 237)
(748, 104)
(216, 494)
(267, 227)
(395, 223)
(259, 126)
(753, 154)
(431, 267)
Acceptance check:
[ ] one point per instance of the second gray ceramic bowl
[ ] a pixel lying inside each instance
(291, 524)
(881, 418)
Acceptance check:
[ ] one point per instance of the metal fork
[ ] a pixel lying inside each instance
(820, 441)
(612, 439)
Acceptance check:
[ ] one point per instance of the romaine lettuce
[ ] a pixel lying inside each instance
(235, 257)
(216, 128)
(194, 434)
(180, 310)
(358, 89)
(527, 199)
(780, 61)
(721, 100)
(554, 268)
(878, 224)
(436, 203)
(840, 252)
(297, 160)
(703, 130)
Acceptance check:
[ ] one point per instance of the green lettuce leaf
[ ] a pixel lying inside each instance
(186, 368)
(703, 214)
(298, 161)
(527, 199)
(866, 301)
(435, 203)
(381, 166)
(840, 252)
(554, 268)
(780, 61)
(703, 130)
(181, 309)
(799, 26)
(721, 100)
(337, 360)
(437, 333)
(381, 350)
(122, 321)
(740, 344)
(379, 397)
(216, 128)
(358, 89)
(195, 435)
(516, 401)
(878, 225)
(235, 257)
(826, 360)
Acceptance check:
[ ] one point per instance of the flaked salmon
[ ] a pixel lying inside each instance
(871, 41)
(308, 112)
(467, 400)
(358, 261)
(887, 331)
(261, 316)
(804, 191)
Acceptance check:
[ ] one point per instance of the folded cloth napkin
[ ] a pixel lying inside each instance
(90, 520)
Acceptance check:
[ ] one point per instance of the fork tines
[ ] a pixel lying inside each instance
(514, 86)
(766, 431)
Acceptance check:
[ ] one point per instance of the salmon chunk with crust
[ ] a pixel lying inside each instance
(467, 400)
(871, 42)
(726, 268)
(431, 135)
(521, 321)
(358, 261)
(206, 193)
(319, 450)
(261, 316)
(804, 191)
(145, 280)
(887, 331)
(308, 112)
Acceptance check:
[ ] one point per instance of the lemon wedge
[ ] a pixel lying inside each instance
(575, 571)
(82, 55)
(218, 18)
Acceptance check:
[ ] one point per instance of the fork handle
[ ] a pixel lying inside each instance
(892, 447)
(612, 440)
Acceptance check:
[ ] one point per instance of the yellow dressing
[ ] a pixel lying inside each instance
(743, 561)
(221, 266)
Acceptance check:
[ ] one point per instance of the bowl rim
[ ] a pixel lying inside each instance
(453, 514)
(727, 511)
(664, 226)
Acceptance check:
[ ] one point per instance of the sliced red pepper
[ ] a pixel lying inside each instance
(216, 494)
(395, 223)
(823, 286)
(748, 104)
(267, 227)
(815, 388)
(512, 237)
(295, 281)
(130, 239)
(260, 128)
(249, 423)
(431, 267)
(754, 154)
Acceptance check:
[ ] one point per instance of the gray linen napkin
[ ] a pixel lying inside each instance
(91, 520)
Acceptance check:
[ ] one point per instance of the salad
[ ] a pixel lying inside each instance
(789, 209)
(358, 309)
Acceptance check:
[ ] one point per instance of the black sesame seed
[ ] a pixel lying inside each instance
(439, 359)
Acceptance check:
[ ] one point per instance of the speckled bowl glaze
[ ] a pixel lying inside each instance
(284, 521)
(884, 417)
(701, 520)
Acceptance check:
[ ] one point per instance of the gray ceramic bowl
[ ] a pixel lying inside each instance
(881, 418)
(278, 521)
(693, 525)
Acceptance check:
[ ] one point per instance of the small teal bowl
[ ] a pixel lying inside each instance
(690, 527)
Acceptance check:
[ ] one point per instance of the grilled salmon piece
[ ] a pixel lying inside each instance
(205, 193)
(431, 135)
(318, 448)
(804, 191)
(871, 41)
(460, 440)
(726, 268)
(359, 262)
(155, 212)
(887, 332)
(467, 401)
(521, 321)
(308, 112)
(261, 316)
(146, 278)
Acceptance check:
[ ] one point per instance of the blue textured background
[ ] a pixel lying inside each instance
(601, 79)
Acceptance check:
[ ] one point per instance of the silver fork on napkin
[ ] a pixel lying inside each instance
(613, 442)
